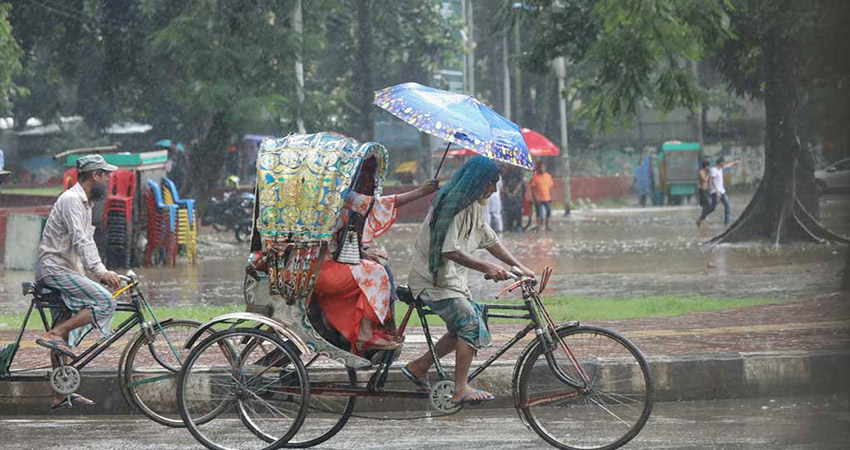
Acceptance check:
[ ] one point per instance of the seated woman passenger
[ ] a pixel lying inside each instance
(356, 298)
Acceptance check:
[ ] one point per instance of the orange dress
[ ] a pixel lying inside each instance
(348, 293)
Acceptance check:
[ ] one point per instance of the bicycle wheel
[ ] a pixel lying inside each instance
(328, 413)
(147, 371)
(609, 412)
(240, 374)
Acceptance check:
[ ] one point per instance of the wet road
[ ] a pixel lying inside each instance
(615, 252)
(775, 424)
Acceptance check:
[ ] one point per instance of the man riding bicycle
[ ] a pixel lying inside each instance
(66, 252)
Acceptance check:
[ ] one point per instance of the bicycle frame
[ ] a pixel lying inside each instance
(137, 306)
(531, 311)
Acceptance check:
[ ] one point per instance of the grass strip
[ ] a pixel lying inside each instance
(562, 309)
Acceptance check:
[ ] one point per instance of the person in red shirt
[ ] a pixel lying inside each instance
(541, 190)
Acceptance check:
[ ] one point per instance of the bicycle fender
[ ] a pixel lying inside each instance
(278, 327)
(521, 362)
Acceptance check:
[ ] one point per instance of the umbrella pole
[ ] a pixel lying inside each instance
(441, 161)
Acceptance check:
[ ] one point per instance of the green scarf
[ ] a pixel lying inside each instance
(465, 187)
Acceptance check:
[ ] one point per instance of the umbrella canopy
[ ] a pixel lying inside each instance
(162, 143)
(457, 152)
(538, 145)
(457, 118)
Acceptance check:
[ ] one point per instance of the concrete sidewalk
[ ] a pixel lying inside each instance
(794, 348)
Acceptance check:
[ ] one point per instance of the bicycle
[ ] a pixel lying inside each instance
(576, 386)
(146, 378)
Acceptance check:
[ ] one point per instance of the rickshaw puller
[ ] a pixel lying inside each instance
(455, 227)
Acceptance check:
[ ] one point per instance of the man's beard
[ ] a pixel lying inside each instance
(98, 192)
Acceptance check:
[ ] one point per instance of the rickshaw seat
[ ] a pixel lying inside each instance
(406, 295)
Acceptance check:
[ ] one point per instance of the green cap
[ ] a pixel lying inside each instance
(90, 163)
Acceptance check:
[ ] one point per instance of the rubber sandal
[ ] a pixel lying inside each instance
(424, 385)
(71, 400)
(465, 399)
(57, 346)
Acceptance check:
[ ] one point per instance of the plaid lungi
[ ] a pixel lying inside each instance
(79, 292)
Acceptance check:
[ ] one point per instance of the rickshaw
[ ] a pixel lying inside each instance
(274, 377)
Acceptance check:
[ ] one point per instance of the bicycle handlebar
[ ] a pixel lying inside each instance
(515, 274)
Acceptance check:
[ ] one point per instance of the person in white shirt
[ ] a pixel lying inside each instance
(717, 191)
(494, 210)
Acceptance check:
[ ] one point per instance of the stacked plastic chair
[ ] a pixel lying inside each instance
(186, 225)
(118, 217)
(162, 227)
(69, 178)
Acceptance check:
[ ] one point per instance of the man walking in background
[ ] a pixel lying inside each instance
(541, 188)
(717, 191)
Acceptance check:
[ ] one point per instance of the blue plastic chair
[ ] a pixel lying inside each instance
(188, 203)
(160, 204)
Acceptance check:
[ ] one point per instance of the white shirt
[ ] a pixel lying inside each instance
(67, 242)
(494, 203)
(716, 181)
(468, 232)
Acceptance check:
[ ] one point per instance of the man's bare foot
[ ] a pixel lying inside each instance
(472, 396)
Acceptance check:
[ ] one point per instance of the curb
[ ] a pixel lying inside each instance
(677, 378)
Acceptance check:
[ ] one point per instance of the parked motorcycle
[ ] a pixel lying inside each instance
(231, 212)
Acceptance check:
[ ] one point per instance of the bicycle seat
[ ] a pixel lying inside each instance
(40, 291)
(405, 295)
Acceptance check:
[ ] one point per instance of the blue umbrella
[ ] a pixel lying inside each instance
(459, 119)
(162, 143)
(180, 147)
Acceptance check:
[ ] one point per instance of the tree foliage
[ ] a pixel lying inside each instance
(631, 51)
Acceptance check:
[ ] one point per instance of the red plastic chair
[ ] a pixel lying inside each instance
(122, 187)
(69, 178)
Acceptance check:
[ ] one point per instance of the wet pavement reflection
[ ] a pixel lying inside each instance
(603, 252)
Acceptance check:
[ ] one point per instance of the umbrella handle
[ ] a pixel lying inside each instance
(441, 161)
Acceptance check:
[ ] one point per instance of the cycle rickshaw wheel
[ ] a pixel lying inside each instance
(239, 375)
(148, 370)
(610, 412)
(328, 413)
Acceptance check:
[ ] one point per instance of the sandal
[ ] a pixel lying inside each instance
(71, 400)
(57, 346)
(466, 401)
(424, 385)
(378, 341)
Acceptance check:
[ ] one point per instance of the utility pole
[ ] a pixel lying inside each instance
(506, 73)
(470, 47)
(298, 26)
(561, 72)
(517, 71)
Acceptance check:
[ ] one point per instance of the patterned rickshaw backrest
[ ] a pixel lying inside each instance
(302, 184)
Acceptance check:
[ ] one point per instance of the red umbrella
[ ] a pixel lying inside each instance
(538, 145)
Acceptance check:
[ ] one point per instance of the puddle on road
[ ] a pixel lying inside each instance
(627, 252)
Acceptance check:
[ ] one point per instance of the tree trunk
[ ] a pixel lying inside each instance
(207, 159)
(785, 206)
(363, 71)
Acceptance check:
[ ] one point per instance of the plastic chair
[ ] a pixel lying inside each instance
(122, 188)
(164, 236)
(188, 203)
(69, 178)
(186, 232)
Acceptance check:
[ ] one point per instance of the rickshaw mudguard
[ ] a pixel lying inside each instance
(235, 318)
